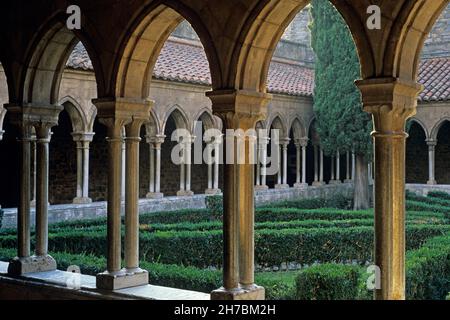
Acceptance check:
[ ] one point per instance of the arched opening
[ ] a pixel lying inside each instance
(442, 167)
(416, 154)
(173, 176)
(278, 136)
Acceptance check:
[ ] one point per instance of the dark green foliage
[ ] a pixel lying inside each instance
(341, 122)
(338, 201)
(214, 204)
(272, 246)
(427, 276)
(439, 195)
(328, 282)
(1, 217)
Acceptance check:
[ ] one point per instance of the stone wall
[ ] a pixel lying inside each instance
(438, 42)
(70, 212)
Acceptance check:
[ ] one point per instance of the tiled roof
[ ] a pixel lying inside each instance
(434, 74)
(187, 63)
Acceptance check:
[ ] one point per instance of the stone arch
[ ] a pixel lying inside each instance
(77, 116)
(180, 117)
(297, 127)
(277, 121)
(416, 155)
(310, 125)
(152, 127)
(420, 123)
(207, 119)
(47, 59)
(437, 127)
(140, 50)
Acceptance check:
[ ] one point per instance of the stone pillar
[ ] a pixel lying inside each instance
(316, 166)
(213, 166)
(262, 161)
(302, 143)
(122, 179)
(353, 166)
(185, 169)
(391, 101)
(239, 110)
(333, 177)
(321, 167)
(338, 167)
(370, 172)
(297, 163)
(43, 118)
(20, 264)
(155, 166)
(133, 129)
(82, 141)
(33, 145)
(431, 161)
(282, 173)
(347, 168)
(115, 114)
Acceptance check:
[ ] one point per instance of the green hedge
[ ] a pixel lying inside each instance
(427, 276)
(328, 282)
(1, 217)
(439, 195)
(272, 247)
(338, 201)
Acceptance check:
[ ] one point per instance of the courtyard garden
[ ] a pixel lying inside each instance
(304, 249)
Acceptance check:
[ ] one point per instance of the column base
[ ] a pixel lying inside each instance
(431, 182)
(254, 293)
(213, 191)
(335, 182)
(122, 279)
(348, 181)
(154, 195)
(19, 266)
(261, 187)
(318, 183)
(82, 200)
(300, 185)
(281, 186)
(185, 193)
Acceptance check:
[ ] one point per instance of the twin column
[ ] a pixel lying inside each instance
(155, 166)
(117, 114)
(82, 141)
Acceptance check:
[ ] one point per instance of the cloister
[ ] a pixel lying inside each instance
(239, 39)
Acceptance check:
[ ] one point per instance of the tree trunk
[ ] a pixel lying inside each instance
(361, 196)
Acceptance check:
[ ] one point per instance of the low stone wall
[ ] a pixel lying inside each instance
(423, 189)
(70, 212)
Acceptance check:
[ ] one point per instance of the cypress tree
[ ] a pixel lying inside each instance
(340, 120)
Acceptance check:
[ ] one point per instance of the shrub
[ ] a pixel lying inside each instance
(328, 282)
(337, 201)
(439, 195)
(272, 247)
(214, 204)
(1, 217)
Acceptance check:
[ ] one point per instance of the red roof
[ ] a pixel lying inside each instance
(185, 62)
(434, 74)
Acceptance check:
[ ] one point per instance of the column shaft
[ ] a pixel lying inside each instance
(158, 169)
(152, 168)
(321, 166)
(304, 164)
(338, 166)
(298, 163)
(86, 170)
(79, 170)
(23, 216)
(285, 164)
(43, 140)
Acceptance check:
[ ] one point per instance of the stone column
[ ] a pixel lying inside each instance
(155, 166)
(185, 170)
(353, 166)
(115, 114)
(321, 167)
(20, 264)
(133, 129)
(82, 141)
(213, 167)
(347, 168)
(282, 173)
(258, 166)
(302, 143)
(262, 157)
(33, 146)
(338, 167)
(333, 177)
(122, 179)
(431, 161)
(43, 119)
(370, 172)
(316, 166)
(239, 110)
(391, 101)
(297, 163)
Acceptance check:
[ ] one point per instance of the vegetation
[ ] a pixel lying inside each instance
(340, 120)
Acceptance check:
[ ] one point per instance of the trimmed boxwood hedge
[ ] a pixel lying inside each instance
(272, 247)
(427, 276)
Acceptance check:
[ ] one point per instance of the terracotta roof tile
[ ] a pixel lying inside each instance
(187, 63)
(434, 74)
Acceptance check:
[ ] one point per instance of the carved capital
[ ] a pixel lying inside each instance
(239, 109)
(391, 101)
(303, 142)
(39, 116)
(83, 136)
